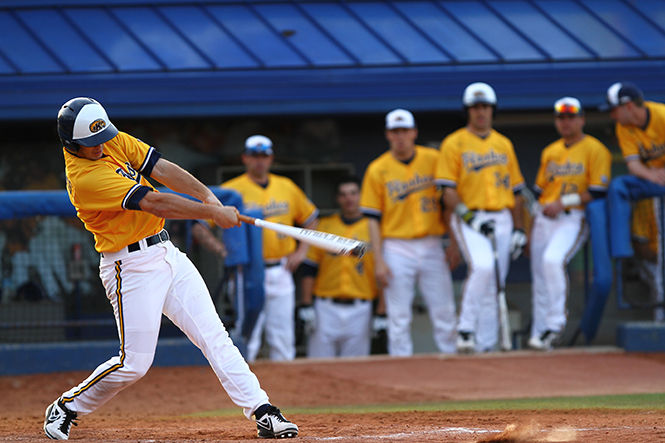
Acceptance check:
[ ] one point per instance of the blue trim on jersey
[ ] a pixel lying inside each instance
(310, 268)
(446, 183)
(312, 217)
(149, 162)
(134, 196)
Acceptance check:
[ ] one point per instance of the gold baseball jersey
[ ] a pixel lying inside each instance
(403, 195)
(106, 192)
(340, 275)
(647, 145)
(644, 226)
(572, 170)
(281, 201)
(484, 171)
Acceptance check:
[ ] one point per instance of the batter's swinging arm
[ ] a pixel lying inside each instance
(329, 242)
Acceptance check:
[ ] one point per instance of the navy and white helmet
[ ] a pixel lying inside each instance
(82, 121)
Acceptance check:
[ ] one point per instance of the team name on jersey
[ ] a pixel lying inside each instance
(655, 151)
(130, 173)
(273, 208)
(473, 161)
(399, 189)
(567, 169)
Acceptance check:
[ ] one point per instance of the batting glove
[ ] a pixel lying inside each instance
(307, 316)
(517, 243)
(469, 217)
(379, 324)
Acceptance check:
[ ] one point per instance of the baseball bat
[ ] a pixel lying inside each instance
(504, 322)
(329, 242)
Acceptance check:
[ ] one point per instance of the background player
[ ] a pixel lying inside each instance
(282, 202)
(573, 170)
(337, 291)
(144, 275)
(403, 204)
(479, 172)
(640, 130)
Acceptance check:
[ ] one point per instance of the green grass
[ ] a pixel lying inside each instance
(628, 401)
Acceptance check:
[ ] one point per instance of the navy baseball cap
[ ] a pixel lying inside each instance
(258, 145)
(621, 93)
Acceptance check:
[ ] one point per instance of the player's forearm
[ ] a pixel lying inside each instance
(203, 235)
(173, 206)
(375, 238)
(307, 286)
(179, 180)
(518, 213)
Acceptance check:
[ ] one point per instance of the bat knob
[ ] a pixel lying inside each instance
(359, 250)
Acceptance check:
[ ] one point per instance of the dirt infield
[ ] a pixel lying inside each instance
(167, 404)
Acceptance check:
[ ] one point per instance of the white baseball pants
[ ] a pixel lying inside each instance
(342, 330)
(142, 285)
(277, 318)
(419, 262)
(479, 308)
(554, 242)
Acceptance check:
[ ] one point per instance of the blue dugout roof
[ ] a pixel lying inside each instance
(249, 57)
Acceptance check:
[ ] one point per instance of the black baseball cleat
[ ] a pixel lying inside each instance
(58, 421)
(270, 423)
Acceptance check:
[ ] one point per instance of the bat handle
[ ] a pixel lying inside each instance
(247, 219)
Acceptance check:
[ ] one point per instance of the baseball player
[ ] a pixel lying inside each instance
(406, 228)
(640, 129)
(337, 291)
(480, 176)
(144, 275)
(282, 202)
(573, 170)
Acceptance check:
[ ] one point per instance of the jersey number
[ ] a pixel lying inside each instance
(502, 180)
(568, 188)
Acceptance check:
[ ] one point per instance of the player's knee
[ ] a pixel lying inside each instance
(136, 365)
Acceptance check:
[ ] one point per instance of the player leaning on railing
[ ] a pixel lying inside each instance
(144, 275)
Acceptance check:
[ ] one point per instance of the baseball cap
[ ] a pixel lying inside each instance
(258, 144)
(92, 126)
(621, 93)
(400, 118)
(477, 93)
(568, 105)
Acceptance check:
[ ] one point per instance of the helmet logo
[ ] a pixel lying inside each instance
(97, 125)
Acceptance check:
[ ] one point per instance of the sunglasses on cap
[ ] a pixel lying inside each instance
(259, 149)
(567, 108)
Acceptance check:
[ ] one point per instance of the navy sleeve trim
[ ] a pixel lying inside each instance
(596, 194)
(149, 162)
(309, 269)
(134, 196)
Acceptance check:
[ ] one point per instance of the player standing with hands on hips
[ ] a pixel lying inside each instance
(144, 275)
(480, 176)
(281, 201)
(406, 228)
(573, 170)
(640, 129)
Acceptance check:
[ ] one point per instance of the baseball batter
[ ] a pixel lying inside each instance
(573, 170)
(640, 129)
(281, 201)
(339, 289)
(406, 228)
(480, 175)
(144, 275)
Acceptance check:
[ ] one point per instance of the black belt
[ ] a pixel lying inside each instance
(272, 264)
(344, 300)
(149, 241)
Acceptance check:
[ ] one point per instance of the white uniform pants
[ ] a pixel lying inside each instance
(277, 317)
(342, 330)
(479, 308)
(554, 242)
(419, 262)
(142, 285)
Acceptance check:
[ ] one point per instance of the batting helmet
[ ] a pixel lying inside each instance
(82, 121)
(479, 93)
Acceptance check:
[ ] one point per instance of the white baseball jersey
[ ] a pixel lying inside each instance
(554, 241)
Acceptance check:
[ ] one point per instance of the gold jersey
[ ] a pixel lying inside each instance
(572, 170)
(104, 192)
(339, 275)
(484, 171)
(647, 145)
(403, 195)
(281, 201)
